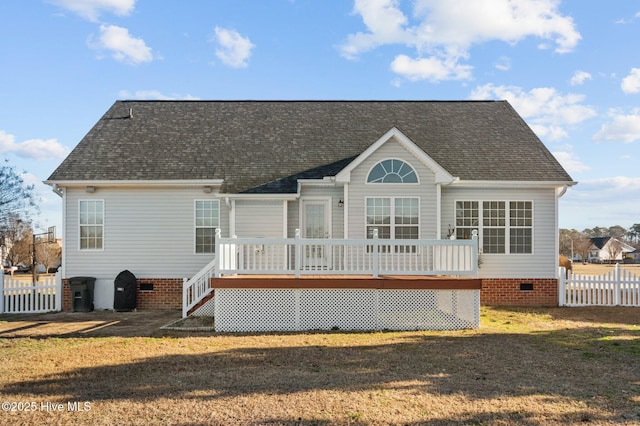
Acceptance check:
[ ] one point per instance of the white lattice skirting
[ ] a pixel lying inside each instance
(247, 310)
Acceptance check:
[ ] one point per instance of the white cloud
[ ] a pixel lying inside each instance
(545, 110)
(385, 22)
(631, 83)
(154, 95)
(580, 77)
(233, 49)
(122, 45)
(446, 29)
(91, 9)
(503, 64)
(613, 186)
(601, 202)
(622, 127)
(624, 21)
(432, 68)
(570, 161)
(36, 149)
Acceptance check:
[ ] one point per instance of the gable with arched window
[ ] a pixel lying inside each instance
(392, 171)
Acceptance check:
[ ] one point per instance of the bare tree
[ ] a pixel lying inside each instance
(582, 246)
(48, 254)
(613, 248)
(17, 200)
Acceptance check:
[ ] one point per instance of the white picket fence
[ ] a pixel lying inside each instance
(18, 296)
(618, 287)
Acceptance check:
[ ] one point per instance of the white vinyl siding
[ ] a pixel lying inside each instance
(260, 218)
(360, 191)
(91, 223)
(148, 231)
(541, 261)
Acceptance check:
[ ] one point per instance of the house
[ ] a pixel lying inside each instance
(609, 249)
(153, 181)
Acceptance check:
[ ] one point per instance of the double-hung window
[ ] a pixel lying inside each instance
(521, 226)
(493, 227)
(91, 213)
(393, 217)
(505, 227)
(207, 219)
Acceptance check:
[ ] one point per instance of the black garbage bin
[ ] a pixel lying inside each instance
(125, 292)
(82, 293)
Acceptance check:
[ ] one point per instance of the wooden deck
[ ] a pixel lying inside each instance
(413, 282)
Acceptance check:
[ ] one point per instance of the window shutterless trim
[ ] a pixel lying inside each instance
(507, 227)
(392, 220)
(413, 169)
(216, 207)
(101, 225)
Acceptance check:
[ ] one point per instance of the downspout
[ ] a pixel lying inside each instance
(63, 255)
(58, 191)
(231, 206)
(559, 194)
(562, 191)
(439, 205)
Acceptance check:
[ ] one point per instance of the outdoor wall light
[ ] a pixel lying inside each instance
(341, 203)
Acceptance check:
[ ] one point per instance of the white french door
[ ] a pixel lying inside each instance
(316, 223)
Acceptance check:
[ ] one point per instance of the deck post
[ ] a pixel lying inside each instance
(185, 297)
(474, 256)
(297, 253)
(376, 253)
(217, 253)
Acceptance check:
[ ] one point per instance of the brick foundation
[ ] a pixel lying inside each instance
(166, 294)
(66, 295)
(508, 292)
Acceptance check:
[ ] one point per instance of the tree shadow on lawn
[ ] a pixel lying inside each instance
(478, 366)
(100, 323)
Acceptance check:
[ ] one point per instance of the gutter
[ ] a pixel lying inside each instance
(57, 190)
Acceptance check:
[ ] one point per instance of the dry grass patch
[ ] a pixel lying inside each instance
(601, 268)
(523, 366)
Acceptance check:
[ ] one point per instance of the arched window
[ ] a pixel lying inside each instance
(392, 171)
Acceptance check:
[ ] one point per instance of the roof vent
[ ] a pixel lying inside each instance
(130, 112)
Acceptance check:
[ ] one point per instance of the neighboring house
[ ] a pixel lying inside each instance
(147, 187)
(609, 249)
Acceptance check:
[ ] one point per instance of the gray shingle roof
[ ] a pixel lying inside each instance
(264, 146)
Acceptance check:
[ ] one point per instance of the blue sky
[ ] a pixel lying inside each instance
(570, 68)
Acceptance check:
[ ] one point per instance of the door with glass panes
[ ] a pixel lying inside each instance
(316, 224)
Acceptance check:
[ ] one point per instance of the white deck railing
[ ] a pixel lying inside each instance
(197, 287)
(306, 256)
